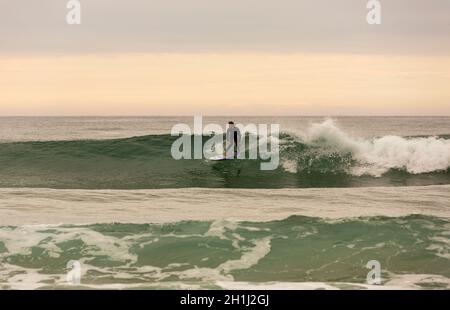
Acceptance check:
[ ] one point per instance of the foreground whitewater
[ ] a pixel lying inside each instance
(219, 238)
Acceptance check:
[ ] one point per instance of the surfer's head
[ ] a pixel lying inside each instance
(231, 123)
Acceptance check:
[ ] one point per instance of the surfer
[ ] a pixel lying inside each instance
(233, 141)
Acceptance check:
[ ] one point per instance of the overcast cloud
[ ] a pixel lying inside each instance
(408, 26)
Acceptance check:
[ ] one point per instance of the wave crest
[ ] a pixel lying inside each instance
(375, 156)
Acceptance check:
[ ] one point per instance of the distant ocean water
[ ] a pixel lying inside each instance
(106, 192)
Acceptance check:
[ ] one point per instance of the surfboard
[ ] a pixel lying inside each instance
(219, 157)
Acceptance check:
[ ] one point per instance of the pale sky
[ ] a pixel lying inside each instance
(234, 57)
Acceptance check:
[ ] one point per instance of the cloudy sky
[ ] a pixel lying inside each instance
(266, 57)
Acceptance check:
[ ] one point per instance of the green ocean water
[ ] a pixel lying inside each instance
(202, 254)
(146, 162)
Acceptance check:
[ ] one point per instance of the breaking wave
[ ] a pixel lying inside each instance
(321, 156)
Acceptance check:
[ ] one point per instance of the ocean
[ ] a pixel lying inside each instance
(106, 193)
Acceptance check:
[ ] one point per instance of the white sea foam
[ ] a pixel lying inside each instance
(376, 156)
(25, 206)
(250, 258)
(21, 240)
(397, 282)
(441, 246)
(130, 274)
(27, 278)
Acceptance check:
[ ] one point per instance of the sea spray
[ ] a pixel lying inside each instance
(379, 155)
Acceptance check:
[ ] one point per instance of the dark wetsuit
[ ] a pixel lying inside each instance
(233, 140)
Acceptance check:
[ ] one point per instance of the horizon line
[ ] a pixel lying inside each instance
(211, 115)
